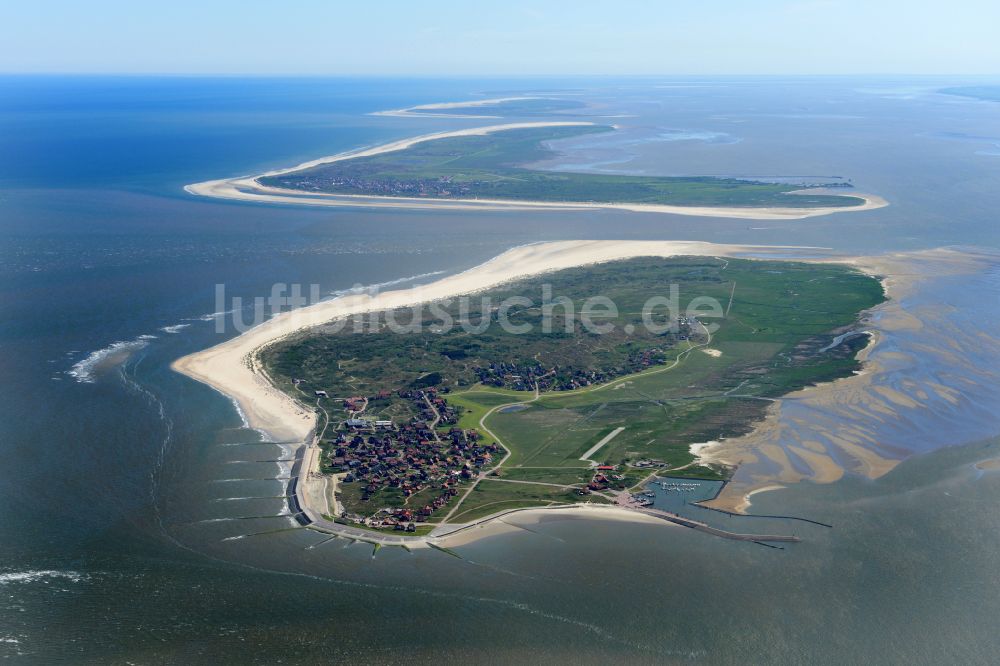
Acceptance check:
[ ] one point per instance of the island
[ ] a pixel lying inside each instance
(441, 416)
(496, 166)
(491, 167)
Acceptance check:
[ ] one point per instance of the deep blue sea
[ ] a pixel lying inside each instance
(140, 524)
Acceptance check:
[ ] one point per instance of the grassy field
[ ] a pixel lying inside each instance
(362, 361)
(494, 167)
(771, 339)
(566, 475)
(769, 347)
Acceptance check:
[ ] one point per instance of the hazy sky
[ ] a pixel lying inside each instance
(427, 37)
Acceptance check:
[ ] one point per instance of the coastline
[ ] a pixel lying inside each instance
(249, 188)
(823, 432)
(232, 368)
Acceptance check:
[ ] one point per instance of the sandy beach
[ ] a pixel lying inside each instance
(249, 188)
(517, 520)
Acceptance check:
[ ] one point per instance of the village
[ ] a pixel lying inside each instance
(523, 377)
(400, 460)
(443, 186)
(396, 475)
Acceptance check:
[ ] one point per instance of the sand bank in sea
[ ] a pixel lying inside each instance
(420, 110)
(249, 188)
(861, 424)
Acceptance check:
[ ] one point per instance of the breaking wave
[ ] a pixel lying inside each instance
(378, 286)
(211, 316)
(86, 370)
(34, 575)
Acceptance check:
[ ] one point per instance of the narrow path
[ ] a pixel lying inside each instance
(596, 447)
(437, 417)
(485, 472)
(680, 357)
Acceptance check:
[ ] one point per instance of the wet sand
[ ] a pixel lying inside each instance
(867, 423)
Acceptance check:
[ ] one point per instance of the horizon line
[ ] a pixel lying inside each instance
(388, 75)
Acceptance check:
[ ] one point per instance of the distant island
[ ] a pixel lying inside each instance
(438, 427)
(496, 166)
(490, 167)
(985, 93)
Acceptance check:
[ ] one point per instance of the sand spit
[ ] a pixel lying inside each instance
(249, 188)
(418, 111)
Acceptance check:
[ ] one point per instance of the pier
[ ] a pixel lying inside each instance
(714, 531)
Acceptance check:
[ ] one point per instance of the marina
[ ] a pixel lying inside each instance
(677, 495)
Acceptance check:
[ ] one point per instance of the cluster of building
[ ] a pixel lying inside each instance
(432, 406)
(519, 377)
(430, 187)
(685, 330)
(649, 463)
(556, 378)
(414, 457)
(604, 478)
(399, 519)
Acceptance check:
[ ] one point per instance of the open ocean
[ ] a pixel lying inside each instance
(139, 522)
